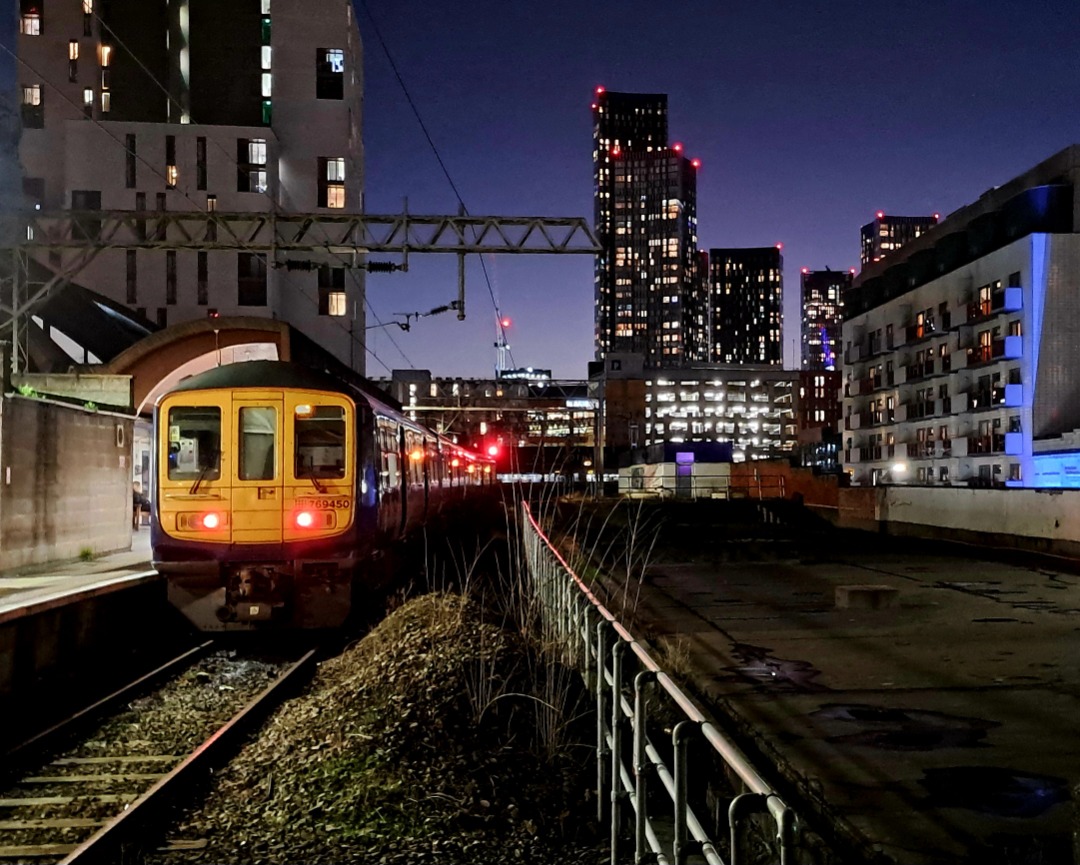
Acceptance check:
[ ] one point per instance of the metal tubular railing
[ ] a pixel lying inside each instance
(629, 772)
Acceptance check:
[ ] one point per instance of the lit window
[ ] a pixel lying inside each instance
(335, 196)
(257, 151)
(171, 176)
(257, 180)
(88, 97)
(265, 7)
(266, 54)
(73, 49)
(267, 84)
(211, 203)
(106, 55)
(30, 24)
(88, 7)
(336, 300)
(31, 94)
(335, 170)
(106, 101)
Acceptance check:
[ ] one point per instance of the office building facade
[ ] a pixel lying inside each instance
(961, 349)
(135, 106)
(648, 287)
(752, 407)
(746, 289)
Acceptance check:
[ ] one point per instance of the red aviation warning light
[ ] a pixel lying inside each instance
(696, 163)
(806, 270)
(880, 214)
(677, 147)
(779, 246)
(599, 89)
(505, 322)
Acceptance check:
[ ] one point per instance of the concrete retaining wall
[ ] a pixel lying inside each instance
(65, 482)
(1045, 521)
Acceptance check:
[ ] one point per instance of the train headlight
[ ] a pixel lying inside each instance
(305, 519)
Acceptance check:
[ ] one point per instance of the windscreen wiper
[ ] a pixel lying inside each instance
(203, 473)
(318, 487)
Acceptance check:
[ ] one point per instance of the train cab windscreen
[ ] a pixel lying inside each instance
(194, 443)
(319, 434)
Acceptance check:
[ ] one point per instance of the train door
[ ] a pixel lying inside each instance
(258, 486)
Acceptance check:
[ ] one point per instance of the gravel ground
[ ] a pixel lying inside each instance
(173, 720)
(440, 737)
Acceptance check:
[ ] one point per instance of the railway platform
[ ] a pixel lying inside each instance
(37, 588)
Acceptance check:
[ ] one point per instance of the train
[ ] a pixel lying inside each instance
(276, 486)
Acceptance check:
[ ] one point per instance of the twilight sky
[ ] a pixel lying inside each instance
(807, 117)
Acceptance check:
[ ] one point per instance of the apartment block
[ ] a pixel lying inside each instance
(961, 349)
(172, 106)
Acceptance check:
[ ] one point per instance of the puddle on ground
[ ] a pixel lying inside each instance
(897, 729)
(990, 790)
(994, 620)
(757, 665)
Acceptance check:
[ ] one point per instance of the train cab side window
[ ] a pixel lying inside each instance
(319, 434)
(258, 437)
(194, 443)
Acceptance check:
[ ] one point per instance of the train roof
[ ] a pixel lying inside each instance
(263, 373)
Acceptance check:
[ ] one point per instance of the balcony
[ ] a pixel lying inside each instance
(917, 410)
(917, 332)
(916, 371)
(1006, 300)
(869, 454)
(1003, 348)
(859, 420)
(986, 444)
(1014, 395)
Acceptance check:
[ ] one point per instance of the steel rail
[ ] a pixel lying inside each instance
(19, 754)
(108, 843)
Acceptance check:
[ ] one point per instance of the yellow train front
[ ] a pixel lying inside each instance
(275, 484)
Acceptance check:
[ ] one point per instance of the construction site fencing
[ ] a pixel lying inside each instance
(640, 764)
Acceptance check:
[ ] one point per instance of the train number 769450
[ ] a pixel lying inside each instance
(324, 504)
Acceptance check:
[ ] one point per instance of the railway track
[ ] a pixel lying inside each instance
(91, 788)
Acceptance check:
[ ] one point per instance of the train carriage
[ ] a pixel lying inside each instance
(274, 486)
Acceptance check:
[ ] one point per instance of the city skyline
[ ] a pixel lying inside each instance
(807, 122)
(806, 125)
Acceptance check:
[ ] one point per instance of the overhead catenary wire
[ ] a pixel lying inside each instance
(196, 205)
(439, 159)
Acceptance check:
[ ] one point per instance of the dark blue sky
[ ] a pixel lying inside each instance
(807, 118)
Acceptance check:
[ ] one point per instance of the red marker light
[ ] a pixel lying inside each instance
(615, 151)
(880, 214)
(211, 521)
(593, 106)
(677, 147)
(599, 90)
(779, 246)
(493, 450)
(696, 163)
(937, 216)
(505, 322)
(305, 519)
(851, 271)
(806, 270)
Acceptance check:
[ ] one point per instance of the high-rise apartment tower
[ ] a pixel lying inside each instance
(887, 233)
(649, 294)
(822, 305)
(746, 288)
